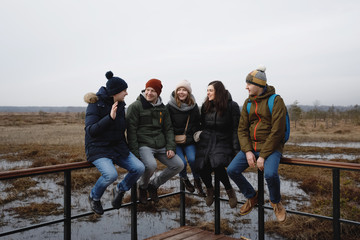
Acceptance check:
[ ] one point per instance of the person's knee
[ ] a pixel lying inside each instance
(110, 176)
(271, 175)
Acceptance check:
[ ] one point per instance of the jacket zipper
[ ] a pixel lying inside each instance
(256, 112)
(160, 117)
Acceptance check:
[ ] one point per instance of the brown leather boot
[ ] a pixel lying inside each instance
(232, 197)
(188, 185)
(279, 211)
(209, 199)
(249, 205)
(198, 186)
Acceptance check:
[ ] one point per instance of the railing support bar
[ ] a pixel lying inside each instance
(261, 212)
(182, 204)
(217, 205)
(134, 212)
(67, 204)
(336, 203)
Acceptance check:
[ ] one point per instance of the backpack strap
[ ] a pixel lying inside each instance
(271, 102)
(248, 106)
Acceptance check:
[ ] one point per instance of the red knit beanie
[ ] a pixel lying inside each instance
(155, 84)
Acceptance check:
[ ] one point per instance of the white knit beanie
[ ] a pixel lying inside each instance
(185, 84)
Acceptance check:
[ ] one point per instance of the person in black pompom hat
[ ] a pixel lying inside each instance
(105, 143)
(114, 85)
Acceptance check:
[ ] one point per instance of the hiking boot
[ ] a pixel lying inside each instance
(188, 185)
(232, 197)
(153, 193)
(198, 186)
(142, 195)
(279, 211)
(249, 205)
(96, 206)
(117, 197)
(209, 199)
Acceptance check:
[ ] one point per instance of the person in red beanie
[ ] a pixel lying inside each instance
(150, 136)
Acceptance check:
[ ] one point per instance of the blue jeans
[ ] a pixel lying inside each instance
(271, 166)
(173, 166)
(109, 174)
(188, 151)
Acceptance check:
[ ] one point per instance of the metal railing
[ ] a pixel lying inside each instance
(68, 167)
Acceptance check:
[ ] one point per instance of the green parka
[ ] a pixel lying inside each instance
(149, 125)
(260, 131)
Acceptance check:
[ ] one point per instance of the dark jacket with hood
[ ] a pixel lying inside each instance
(104, 137)
(259, 130)
(179, 117)
(219, 142)
(149, 125)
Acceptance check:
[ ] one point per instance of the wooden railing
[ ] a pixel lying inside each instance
(68, 167)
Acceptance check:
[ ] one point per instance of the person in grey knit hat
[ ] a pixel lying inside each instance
(261, 135)
(105, 143)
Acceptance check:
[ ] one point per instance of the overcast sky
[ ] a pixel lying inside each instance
(54, 52)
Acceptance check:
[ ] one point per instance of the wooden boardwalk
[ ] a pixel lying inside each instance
(189, 233)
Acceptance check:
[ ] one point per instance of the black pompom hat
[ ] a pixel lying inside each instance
(114, 85)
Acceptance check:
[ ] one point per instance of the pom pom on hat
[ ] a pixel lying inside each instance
(185, 84)
(155, 84)
(114, 85)
(257, 77)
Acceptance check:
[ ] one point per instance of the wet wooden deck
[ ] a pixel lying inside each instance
(189, 233)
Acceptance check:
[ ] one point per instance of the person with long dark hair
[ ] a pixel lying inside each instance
(217, 139)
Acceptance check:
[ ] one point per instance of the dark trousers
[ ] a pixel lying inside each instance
(220, 173)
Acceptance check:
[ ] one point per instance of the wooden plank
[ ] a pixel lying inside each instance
(170, 233)
(189, 233)
(186, 235)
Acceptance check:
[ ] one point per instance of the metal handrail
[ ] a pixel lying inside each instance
(68, 167)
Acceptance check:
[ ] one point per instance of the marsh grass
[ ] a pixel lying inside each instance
(49, 139)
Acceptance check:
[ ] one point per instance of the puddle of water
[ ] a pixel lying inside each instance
(6, 165)
(324, 156)
(327, 144)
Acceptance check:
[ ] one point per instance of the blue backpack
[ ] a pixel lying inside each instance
(271, 105)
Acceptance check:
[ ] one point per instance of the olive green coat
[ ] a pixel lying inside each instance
(149, 125)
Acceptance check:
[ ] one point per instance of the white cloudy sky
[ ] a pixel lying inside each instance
(53, 52)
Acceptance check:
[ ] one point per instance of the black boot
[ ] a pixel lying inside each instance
(153, 193)
(96, 206)
(117, 198)
(142, 195)
(198, 186)
(188, 185)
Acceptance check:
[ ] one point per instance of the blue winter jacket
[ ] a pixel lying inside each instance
(104, 137)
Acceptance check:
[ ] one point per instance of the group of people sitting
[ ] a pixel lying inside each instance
(215, 138)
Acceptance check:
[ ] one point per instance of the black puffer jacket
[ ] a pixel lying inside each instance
(104, 137)
(219, 142)
(179, 116)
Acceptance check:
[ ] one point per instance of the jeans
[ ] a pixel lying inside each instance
(188, 151)
(147, 156)
(109, 174)
(271, 166)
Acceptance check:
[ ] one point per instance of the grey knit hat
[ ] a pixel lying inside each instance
(257, 77)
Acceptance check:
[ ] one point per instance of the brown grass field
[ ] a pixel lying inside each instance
(53, 138)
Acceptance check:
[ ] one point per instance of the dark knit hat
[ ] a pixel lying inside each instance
(114, 85)
(155, 84)
(257, 77)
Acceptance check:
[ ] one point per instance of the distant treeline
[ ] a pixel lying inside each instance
(304, 108)
(42, 109)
